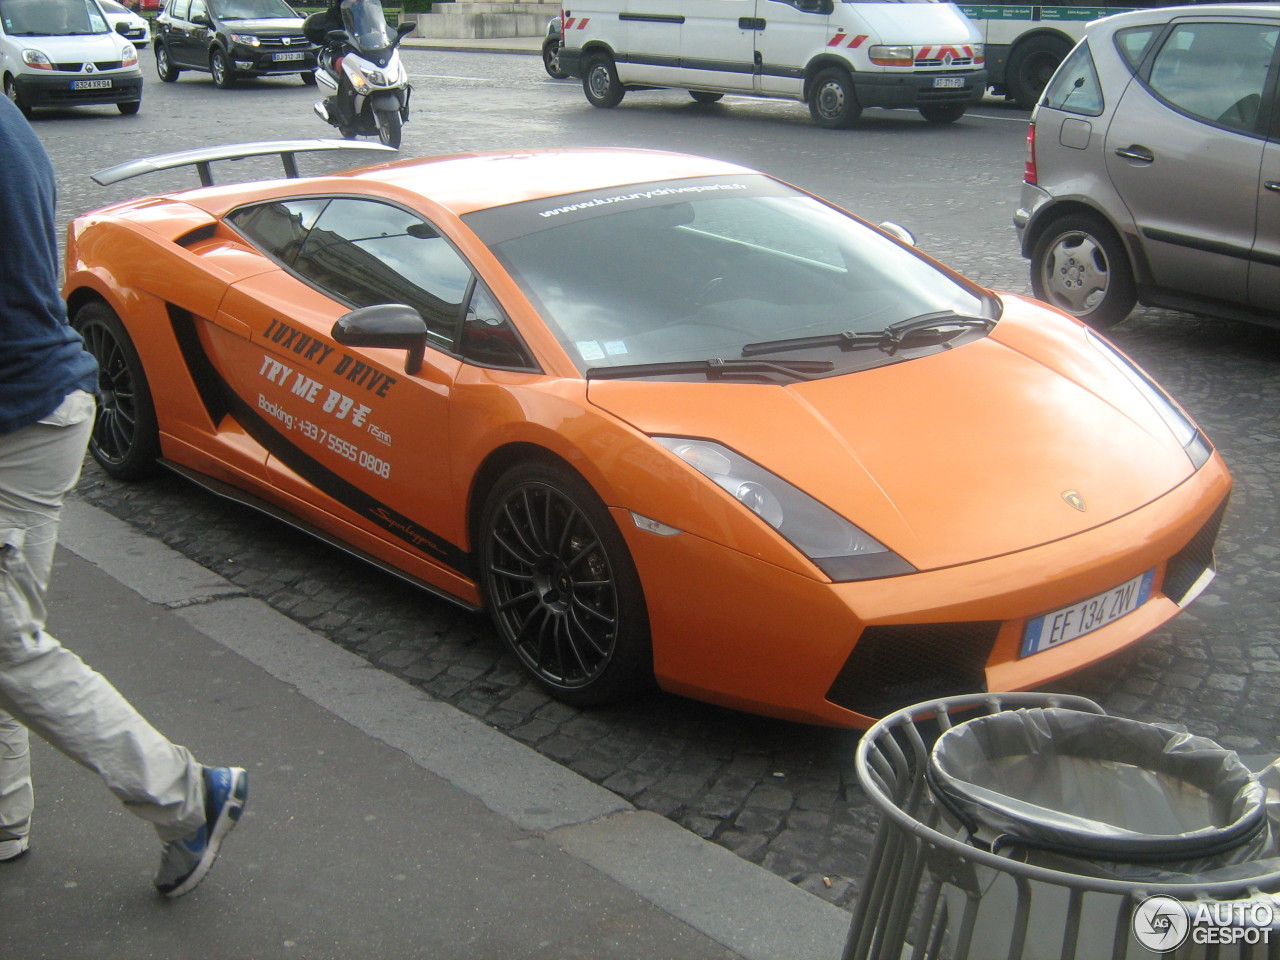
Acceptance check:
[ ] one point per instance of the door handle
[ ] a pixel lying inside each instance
(751, 23)
(1136, 153)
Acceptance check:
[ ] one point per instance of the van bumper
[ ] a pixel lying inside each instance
(917, 89)
(59, 90)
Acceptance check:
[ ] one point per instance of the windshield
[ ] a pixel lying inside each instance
(366, 23)
(252, 9)
(52, 18)
(697, 269)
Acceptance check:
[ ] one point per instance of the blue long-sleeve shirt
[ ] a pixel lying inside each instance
(41, 358)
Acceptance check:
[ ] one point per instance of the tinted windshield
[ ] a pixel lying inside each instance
(695, 269)
(251, 9)
(52, 18)
(366, 23)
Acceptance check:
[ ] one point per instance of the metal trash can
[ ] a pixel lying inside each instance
(1034, 826)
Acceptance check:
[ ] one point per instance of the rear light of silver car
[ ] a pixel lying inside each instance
(1029, 167)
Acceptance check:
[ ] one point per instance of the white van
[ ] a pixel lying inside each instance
(63, 53)
(839, 57)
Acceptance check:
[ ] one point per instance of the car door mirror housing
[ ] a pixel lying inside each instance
(394, 326)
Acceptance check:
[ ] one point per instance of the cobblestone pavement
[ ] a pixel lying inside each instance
(780, 794)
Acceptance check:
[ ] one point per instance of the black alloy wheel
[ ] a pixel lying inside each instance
(561, 586)
(125, 440)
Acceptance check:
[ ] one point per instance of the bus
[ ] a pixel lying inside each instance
(1025, 43)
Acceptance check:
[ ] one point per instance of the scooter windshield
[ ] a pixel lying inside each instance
(366, 24)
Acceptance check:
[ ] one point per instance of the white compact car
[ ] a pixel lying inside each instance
(127, 23)
(64, 53)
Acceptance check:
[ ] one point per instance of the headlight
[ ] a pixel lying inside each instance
(884, 55)
(246, 40)
(838, 548)
(34, 58)
(1186, 432)
(128, 55)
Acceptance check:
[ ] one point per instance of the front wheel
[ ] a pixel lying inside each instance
(126, 439)
(165, 69)
(129, 107)
(832, 101)
(943, 112)
(561, 586)
(16, 96)
(705, 96)
(308, 78)
(600, 82)
(1079, 265)
(389, 127)
(551, 60)
(224, 78)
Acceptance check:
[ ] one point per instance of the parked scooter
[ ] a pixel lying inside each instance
(359, 70)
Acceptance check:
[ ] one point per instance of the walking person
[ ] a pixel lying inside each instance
(47, 387)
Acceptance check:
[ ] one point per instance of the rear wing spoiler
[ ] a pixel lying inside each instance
(202, 157)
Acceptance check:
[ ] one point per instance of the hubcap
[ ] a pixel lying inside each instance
(831, 100)
(551, 585)
(599, 81)
(1076, 274)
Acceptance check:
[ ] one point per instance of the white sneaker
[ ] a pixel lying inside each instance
(13, 849)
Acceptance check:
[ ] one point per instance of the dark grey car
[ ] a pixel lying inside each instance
(232, 39)
(1153, 168)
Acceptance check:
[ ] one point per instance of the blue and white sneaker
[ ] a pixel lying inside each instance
(183, 863)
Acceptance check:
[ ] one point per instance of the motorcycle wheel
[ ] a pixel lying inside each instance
(389, 127)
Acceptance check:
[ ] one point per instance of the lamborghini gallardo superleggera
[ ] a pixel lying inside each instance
(668, 419)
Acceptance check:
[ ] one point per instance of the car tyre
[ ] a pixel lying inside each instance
(600, 82)
(129, 107)
(706, 96)
(551, 60)
(1030, 67)
(12, 91)
(1079, 265)
(561, 586)
(224, 77)
(126, 438)
(832, 101)
(943, 112)
(308, 78)
(165, 69)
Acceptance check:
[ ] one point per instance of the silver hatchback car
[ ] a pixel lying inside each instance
(1153, 168)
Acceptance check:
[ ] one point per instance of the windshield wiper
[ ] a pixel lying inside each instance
(716, 369)
(944, 326)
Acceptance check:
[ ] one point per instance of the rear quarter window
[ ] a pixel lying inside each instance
(1075, 87)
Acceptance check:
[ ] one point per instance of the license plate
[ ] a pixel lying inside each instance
(90, 84)
(289, 56)
(947, 83)
(1067, 623)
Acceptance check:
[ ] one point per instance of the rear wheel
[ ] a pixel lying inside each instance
(1030, 66)
(832, 102)
(551, 60)
(165, 69)
(126, 440)
(943, 112)
(1079, 265)
(600, 82)
(389, 127)
(561, 586)
(224, 77)
(705, 96)
(16, 96)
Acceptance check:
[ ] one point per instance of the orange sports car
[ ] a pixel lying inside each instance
(667, 418)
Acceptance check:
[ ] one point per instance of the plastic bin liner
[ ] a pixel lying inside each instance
(1137, 800)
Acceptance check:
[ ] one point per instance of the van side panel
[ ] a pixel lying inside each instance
(791, 38)
(646, 37)
(718, 47)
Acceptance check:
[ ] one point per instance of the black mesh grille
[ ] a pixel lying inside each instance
(893, 667)
(1187, 564)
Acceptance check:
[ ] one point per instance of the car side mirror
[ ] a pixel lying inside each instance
(337, 36)
(122, 29)
(202, 20)
(898, 232)
(394, 326)
(815, 6)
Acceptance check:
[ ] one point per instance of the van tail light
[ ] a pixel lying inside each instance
(1029, 167)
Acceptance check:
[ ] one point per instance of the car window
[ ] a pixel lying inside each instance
(198, 9)
(178, 9)
(1075, 87)
(252, 9)
(52, 18)
(366, 253)
(488, 337)
(1215, 71)
(278, 229)
(1133, 43)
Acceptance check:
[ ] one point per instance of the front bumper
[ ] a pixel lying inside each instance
(54, 89)
(265, 63)
(733, 630)
(914, 90)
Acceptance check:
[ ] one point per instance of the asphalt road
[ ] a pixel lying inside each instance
(778, 794)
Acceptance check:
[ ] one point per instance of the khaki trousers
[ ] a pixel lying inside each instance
(45, 687)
